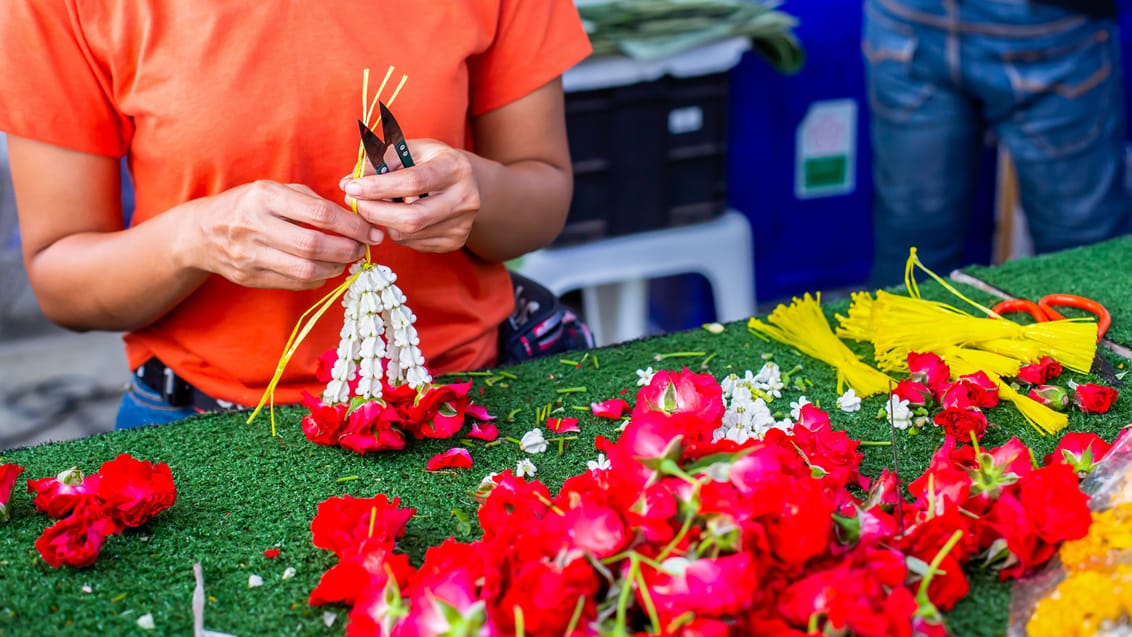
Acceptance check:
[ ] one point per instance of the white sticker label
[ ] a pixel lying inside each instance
(685, 120)
(826, 152)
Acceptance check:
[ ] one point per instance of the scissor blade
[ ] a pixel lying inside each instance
(375, 148)
(394, 136)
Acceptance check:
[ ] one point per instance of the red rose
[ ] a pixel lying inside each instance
(1055, 503)
(973, 390)
(457, 458)
(814, 419)
(1041, 372)
(361, 567)
(930, 370)
(325, 423)
(58, 496)
(8, 475)
(343, 522)
(1094, 399)
(917, 394)
(961, 423)
(76, 540)
(1081, 451)
(696, 395)
(132, 491)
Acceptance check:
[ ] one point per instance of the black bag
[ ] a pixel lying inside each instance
(541, 325)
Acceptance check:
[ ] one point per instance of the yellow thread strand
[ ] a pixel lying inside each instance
(909, 275)
(804, 326)
(297, 336)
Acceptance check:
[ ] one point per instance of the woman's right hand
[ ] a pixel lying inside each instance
(272, 235)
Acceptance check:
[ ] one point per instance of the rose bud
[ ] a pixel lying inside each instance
(1052, 396)
(1094, 399)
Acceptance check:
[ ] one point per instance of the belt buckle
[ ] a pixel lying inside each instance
(174, 390)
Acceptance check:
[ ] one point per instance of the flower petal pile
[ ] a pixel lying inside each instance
(124, 493)
(678, 531)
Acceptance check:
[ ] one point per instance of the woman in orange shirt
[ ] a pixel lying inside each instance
(238, 121)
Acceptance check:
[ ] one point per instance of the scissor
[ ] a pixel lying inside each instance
(375, 147)
(1045, 310)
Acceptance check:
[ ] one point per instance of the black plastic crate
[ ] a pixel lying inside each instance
(647, 156)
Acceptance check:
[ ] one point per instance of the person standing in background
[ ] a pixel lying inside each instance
(1043, 75)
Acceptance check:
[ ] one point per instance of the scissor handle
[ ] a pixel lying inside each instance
(1104, 319)
(1023, 306)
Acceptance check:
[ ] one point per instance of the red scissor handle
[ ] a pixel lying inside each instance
(1039, 313)
(1104, 319)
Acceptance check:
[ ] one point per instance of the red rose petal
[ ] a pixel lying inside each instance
(613, 409)
(457, 458)
(271, 553)
(562, 425)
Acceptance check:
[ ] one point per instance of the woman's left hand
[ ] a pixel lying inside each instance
(440, 222)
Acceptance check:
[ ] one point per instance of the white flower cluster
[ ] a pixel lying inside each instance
(377, 325)
(747, 413)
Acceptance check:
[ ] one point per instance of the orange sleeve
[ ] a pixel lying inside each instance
(535, 42)
(54, 88)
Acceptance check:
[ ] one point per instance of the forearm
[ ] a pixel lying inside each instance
(523, 207)
(115, 281)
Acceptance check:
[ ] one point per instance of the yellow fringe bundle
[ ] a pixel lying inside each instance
(310, 317)
(803, 325)
(897, 325)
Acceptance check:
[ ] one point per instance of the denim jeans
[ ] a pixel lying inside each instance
(1046, 82)
(142, 406)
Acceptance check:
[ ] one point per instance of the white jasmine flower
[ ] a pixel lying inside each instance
(289, 572)
(145, 622)
(255, 581)
(769, 380)
(533, 441)
(328, 618)
(898, 412)
(601, 464)
(525, 468)
(849, 401)
(644, 376)
(796, 407)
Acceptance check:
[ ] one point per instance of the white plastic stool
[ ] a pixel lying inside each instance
(613, 273)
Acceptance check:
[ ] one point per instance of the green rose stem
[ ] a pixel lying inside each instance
(875, 443)
(650, 608)
(660, 357)
(577, 616)
(520, 631)
(571, 390)
(927, 609)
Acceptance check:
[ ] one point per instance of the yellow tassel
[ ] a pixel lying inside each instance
(858, 323)
(803, 325)
(971, 360)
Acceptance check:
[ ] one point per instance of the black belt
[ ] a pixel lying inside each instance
(176, 391)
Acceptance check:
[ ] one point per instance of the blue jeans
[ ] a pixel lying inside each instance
(143, 406)
(941, 74)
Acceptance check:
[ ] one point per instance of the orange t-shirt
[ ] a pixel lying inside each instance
(206, 95)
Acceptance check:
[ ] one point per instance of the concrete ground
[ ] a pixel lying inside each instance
(54, 384)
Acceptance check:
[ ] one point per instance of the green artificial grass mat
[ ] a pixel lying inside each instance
(241, 491)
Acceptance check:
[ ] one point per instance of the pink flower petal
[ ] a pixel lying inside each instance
(562, 425)
(613, 409)
(485, 431)
(457, 458)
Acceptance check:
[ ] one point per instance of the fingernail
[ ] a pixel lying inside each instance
(353, 188)
(376, 236)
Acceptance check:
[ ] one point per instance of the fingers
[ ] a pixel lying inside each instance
(311, 243)
(300, 204)
(282, 271)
